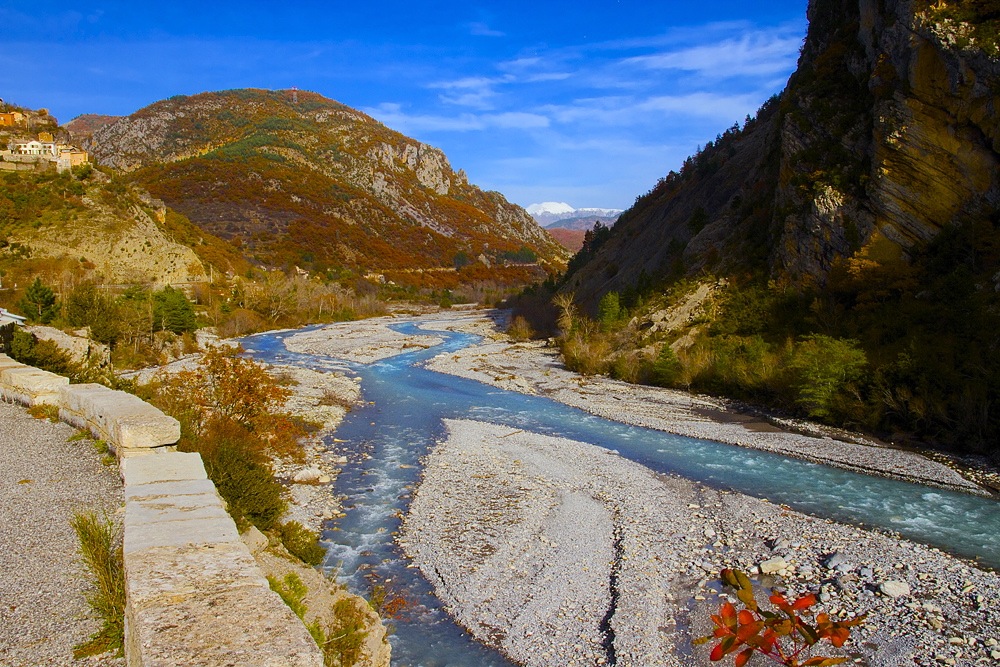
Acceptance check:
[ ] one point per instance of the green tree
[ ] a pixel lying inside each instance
(825, 367)
(39, 302)
(172, 311)
(609, 310)
(88, 306)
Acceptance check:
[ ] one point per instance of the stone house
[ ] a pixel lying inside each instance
(11, 118)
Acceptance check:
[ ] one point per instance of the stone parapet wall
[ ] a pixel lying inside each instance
(195, 595)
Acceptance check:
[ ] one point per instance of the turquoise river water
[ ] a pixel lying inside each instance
(401, 419)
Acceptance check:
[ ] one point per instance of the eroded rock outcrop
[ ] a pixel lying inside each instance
(888, 130)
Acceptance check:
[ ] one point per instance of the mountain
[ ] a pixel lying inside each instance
(293, 178)
(839, 254)
(84, 224)
(563, 216)
(571, 239)
(887, 133)
(83, 126)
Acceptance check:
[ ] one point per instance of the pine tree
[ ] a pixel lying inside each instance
(39, 302)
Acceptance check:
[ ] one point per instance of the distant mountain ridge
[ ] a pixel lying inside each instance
(564, 216)
(299, 179)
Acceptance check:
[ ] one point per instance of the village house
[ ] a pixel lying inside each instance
(43, 149)
(11, 118)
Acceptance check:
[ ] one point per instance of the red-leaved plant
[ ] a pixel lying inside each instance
(781, 635)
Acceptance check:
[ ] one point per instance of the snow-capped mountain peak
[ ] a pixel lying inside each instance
(550, 207)
(561, 214)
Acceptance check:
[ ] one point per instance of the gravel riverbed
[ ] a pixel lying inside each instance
(44, 480)
(562, 553)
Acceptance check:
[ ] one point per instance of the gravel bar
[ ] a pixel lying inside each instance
(44, 480)
(562, 553)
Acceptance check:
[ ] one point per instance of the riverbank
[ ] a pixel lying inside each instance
(44, 480)
(561, 553)
(533, 368)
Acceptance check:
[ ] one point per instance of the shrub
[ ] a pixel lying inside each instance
(519, 329)
(666, 370)
(302, 542)
(43, 354)
(782, 635)
(824, 368)
(242, 474)
(608, 310)
(102, 554)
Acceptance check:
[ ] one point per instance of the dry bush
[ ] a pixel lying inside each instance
(519, 329)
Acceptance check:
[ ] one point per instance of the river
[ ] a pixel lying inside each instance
(401, 419)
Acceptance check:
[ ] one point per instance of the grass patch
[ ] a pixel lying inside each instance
(101, 549)
(342, 640)
(41, 411)
(302, 542)
(331, 397)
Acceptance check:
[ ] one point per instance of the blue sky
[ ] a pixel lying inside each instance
(587, 102)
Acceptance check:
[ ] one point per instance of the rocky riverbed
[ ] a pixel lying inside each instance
(562, 553)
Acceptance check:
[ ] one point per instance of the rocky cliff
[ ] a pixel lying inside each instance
(887, 133)
(295, 178)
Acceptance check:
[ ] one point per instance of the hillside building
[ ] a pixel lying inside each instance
(34, 154)
(11, 118)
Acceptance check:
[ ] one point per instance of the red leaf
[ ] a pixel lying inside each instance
(728, 613)
(746, 617)
(804, 602)
(748, 630)
(742, 658)
(717, 653)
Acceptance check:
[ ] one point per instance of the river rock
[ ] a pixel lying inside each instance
(773, 565)
(835, 559)
(894, 589)
(310, 475)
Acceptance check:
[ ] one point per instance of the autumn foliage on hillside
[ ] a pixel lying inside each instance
(300, 180)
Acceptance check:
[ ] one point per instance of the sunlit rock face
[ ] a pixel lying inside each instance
(887, 132)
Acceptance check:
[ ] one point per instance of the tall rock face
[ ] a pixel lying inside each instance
(297, 179)
(889, 130)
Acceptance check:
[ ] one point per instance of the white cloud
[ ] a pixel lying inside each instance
(757, 54)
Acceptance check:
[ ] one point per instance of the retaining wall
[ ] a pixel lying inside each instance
(195, 595)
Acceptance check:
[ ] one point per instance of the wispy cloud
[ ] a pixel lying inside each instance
(483, 30)
(392, 115)
(757, 54)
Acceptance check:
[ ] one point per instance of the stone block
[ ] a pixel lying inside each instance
(7, 362)
(72, 401)
(209, 528)
(174, 509)
(209, 606)
(186, 487)
(31, 386)
(170, 467)
(144, 427)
